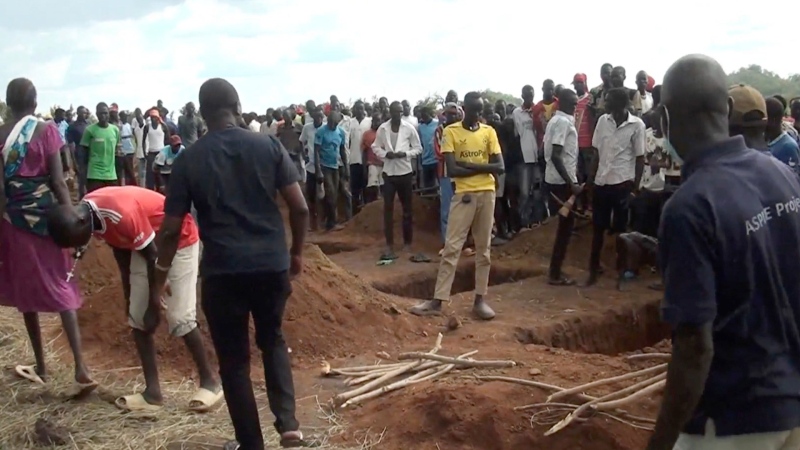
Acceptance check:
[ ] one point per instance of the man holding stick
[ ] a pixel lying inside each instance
(561, 177)
(729, 246)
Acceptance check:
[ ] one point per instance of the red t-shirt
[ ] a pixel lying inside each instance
(584, 122)
(131, 216)
(367, 139)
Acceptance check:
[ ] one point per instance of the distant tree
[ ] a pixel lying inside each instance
(494, 96)
(768, 83)
(5, 112)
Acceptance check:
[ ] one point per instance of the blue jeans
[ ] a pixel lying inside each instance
(532, 200)
(445, 196)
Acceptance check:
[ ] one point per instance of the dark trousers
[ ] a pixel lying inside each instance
(646, 212)
(564, 231)
(124, 166)
(149, 176)
(403, 186)
(93, 185)
(82, 160)
(311, 197)
(609, 212)
(430, 176)
(358, 181)
(228, 301)
(331, 181)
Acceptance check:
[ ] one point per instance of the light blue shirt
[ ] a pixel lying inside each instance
(427, 133)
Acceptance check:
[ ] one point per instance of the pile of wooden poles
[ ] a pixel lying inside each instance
(415, 367)
(580, 406)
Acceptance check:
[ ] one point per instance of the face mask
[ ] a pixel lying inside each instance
(667, 144)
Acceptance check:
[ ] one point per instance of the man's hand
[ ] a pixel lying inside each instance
(296, 267)
(391, 155)
(576, 189)
(320, 178)
(400, 155)
(346, 175)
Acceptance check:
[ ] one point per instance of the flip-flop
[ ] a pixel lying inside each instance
(84, 389)
(204, 400)
(468, 252)
(563, 281)
(420, 258)
(388, 256)
(231, 445)
(29, 373)
(135, 403)
(295, 440)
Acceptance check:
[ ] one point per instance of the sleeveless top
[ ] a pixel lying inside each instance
(155, 138)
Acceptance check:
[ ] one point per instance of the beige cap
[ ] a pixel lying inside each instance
(746, 99)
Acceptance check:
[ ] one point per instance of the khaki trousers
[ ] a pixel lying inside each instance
(477, 214)
(783, 440)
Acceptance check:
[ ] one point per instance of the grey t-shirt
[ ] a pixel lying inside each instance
(189, 128)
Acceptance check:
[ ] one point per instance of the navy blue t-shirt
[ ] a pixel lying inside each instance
(785, 148)
(729, 247)
(233, 177)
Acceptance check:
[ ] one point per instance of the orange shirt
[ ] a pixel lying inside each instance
(131, 216)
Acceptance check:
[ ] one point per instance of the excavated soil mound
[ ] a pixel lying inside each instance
(451, 415)
(330, 314)
(369, 221)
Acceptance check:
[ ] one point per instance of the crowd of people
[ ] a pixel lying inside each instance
(698, 173)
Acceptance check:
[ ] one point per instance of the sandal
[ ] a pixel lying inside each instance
(29, 373)
(427, 308)
(294, 439)
(135, 403)
(204, 400)
(420, 258)
(563, 281)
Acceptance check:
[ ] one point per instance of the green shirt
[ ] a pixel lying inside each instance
(102, 144)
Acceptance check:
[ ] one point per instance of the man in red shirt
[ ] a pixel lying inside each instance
(128, 218)
(584, 123)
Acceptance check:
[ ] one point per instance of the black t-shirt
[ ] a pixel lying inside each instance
(233, 177)
(729, 247)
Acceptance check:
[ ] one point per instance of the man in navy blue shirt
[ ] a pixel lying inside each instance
(233, 177)
(781, 145)
(730, 252)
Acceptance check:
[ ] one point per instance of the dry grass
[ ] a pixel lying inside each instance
(95, 423)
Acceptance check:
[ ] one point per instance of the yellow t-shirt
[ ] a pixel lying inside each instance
(475, 147)
(549, 110)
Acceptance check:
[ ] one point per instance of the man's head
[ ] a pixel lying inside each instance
(383, 103)
(450, 113)
(175, 142)
(317, 116)
(616, 101)
(426, 114)
(579, 83)
(113, 113)
(605, 73)
(333, 119)
(377, 120)
(368, 109)
(500, 108)
(190, 109)
(617, 77)
(641, 80)
(548, 90)
(219, 103)
(749, 109)
(277, 114)
(510, 109)
(775, 112)
(59, 115)
(567, 101)
(333, 99)
(155, 118)
(358, 110)
(21, 96)
(783, 101)
(656, 95)
(396, 112)
(70, 226)
(102, 113)
(694, 104)
(136, 112)
(123, 117)
(417, 112)
(451, 97)
(160, 105)
(488, 110)
(310, 105)
(287, 116)
(557, 90)
(527, 95)
(473, 105)
(406, 108)
(794, 109)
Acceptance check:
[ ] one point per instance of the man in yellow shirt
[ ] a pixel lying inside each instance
(472, 156)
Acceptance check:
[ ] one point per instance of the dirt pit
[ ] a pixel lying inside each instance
(453, 415)
(422, 285)
(331, 314)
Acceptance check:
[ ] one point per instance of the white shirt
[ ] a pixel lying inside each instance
(523, 127)
(254, 126)
(155, 138)
(618, 147)
(407, 142)
(561, 131)
(647, 102)
(412, 120)
(138, 133)
(307, 138)
(356, 135)
(653, 148)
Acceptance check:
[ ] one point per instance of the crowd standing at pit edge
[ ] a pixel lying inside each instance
(694, 176)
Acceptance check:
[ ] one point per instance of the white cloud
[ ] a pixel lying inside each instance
(278, 52)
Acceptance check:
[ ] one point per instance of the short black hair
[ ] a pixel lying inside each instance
(782, 99)
(549, 81)
(618, 96)
(59, 111)
(656, 94)
(216, 96)
(527, 87)
(606, 66)
(395, 103)
(775, 109)
(619, 69)
(20, 94)
(472, 96)
(101, 105)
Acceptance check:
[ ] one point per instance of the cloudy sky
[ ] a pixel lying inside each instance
(281, 52)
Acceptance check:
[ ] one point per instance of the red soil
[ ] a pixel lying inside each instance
(330, 314)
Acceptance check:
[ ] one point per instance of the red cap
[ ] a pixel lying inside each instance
(651, 83)
(579, 77)
(114, 107)
(175, 140)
